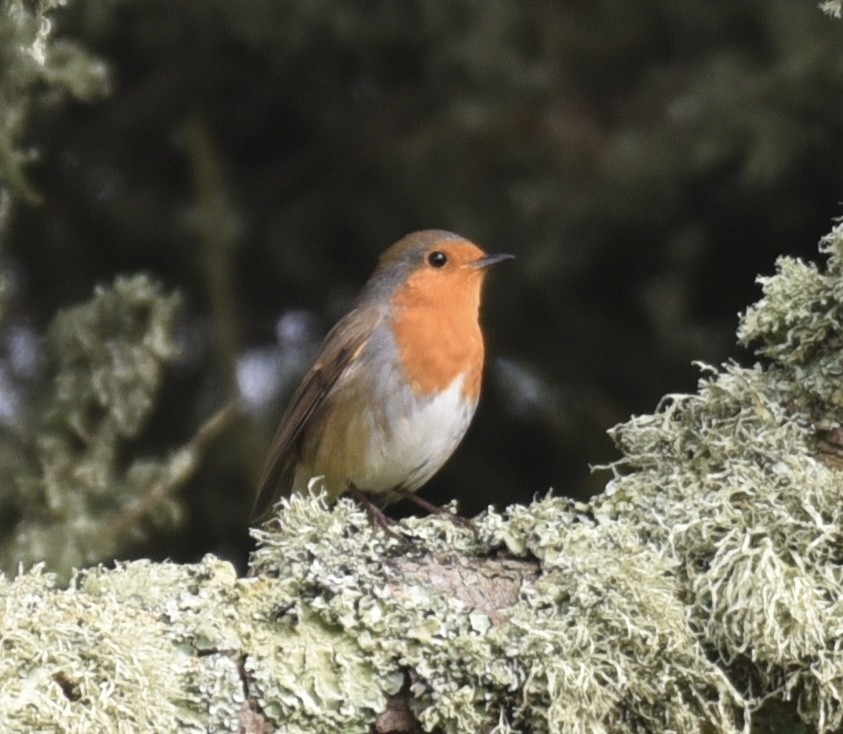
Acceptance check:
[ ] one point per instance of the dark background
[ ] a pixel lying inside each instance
(643, 160)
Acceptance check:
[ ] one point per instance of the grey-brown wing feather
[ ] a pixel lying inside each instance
(343, 344)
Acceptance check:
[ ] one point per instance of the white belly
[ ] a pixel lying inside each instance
(398, 441)
(416, 446)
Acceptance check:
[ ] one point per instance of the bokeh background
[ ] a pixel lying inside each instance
(643, 160)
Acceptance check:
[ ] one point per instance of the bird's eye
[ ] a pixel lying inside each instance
(437, 258)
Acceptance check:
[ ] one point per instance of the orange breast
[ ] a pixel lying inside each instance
(436, 329)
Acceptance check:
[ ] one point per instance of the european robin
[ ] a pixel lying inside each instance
(396, 382)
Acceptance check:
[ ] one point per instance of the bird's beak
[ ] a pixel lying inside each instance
(487, 260)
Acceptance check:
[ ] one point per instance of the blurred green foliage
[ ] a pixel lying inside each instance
(36, 71)
(104, 365)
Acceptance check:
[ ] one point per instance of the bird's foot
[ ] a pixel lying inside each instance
(377, 515)
(465, 522)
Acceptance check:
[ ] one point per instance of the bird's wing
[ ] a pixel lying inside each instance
(342, 346)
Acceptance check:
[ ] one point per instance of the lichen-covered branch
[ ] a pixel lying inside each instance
(740, 484)
(548, 621)
(76, 501)
(834, 8)
(699, 593)
(33, 65)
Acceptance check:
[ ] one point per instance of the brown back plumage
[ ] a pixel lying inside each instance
(341, 347)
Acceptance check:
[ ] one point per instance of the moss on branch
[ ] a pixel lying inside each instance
(699, 593)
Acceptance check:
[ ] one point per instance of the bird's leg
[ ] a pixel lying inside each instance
(433, 509)
(376, 514)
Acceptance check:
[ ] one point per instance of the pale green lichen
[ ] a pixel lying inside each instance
(834, 8)
(333, 682)
(109, 356)
(36, 68)
(78, 661)
(600, 637)
(622, 648)
(802, 307)
(798, 325)
(756, 532)
(728, 482)
(105, 363)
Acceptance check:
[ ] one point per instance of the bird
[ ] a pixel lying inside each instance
(395, 384)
